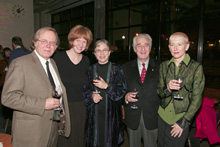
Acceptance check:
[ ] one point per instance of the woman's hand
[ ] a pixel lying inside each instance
(173, 85)
(176, 131)
(96, 97)
(100, 83)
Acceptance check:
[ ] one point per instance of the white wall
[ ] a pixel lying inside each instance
(16, 24)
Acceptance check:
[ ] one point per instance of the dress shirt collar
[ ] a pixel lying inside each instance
(140, 67)
(186, 60)
(53, 73)
(42, 60)
(18, 47)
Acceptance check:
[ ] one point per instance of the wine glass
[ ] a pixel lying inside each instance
(58, 95)
(134, 106)
(180, 82)
(96, 77)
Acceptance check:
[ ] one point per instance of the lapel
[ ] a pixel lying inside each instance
(40, 69)
(150, 71)
(135, 71)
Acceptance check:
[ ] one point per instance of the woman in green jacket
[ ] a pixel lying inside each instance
(180, 87)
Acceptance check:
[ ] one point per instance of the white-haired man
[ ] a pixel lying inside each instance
(142, 74)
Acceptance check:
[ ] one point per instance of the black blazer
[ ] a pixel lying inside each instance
(148, 99)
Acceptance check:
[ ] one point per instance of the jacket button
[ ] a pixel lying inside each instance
(51, 118)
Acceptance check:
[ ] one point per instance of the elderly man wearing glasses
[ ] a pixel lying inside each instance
(30, 89)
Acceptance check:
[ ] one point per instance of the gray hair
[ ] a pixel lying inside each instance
(147, 36)
(42, 30)
(98, 42)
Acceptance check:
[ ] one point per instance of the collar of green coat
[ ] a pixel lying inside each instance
(186, 60)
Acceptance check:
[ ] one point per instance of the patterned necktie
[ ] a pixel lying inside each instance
(143, 73)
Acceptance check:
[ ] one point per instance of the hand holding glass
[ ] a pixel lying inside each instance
(177, 94)
(58, 95)
(96, 77)
(136, 97)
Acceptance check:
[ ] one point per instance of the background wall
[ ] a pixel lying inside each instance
(16, 19)
(42, 14)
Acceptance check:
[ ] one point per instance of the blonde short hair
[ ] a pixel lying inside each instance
(178, 36)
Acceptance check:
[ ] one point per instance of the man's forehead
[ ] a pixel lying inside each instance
(47, 34)
(142, 40)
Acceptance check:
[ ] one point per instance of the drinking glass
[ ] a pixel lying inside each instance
(177, 93)
(58, 95)
(134, 106)
(96, 77)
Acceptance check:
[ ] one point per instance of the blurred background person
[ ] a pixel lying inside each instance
(181, 84)
(103, 91)
(3, 69)
(72, 66)
(4, 65)
(18, 48)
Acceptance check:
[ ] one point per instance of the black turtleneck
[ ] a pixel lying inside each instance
(102, 70)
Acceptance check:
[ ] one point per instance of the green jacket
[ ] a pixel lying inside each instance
(192, 90)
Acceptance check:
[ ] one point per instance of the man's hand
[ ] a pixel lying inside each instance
(130, 97)
(52, 103)
(176, 131)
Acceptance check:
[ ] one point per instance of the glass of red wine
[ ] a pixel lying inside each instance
(134, 106)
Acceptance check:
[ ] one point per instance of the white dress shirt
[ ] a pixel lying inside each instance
(53, 73)
(140, 66)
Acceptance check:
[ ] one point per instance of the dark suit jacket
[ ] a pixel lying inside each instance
(148, 100)
(17, 53)
(25, 90)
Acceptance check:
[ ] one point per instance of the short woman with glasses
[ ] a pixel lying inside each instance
(72, 66)
(103, 91)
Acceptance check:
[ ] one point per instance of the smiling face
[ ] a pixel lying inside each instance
(178, 48)
(79, 45)
(102, 53)
(46, 44)
(142, 49)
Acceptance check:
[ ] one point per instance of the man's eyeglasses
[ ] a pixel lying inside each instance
(45, 42)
